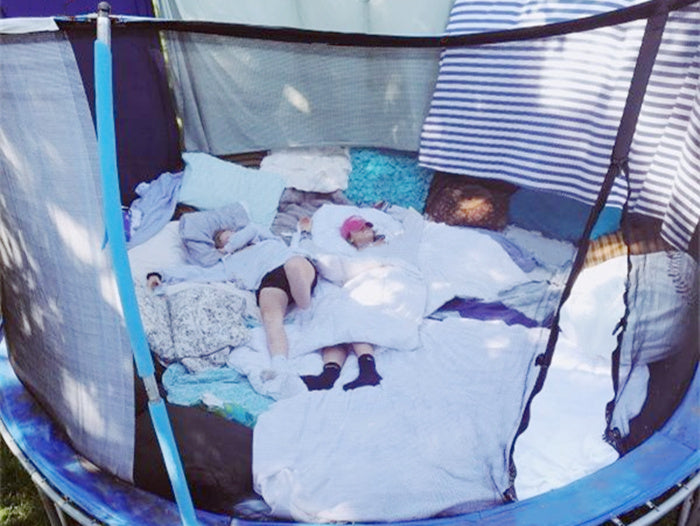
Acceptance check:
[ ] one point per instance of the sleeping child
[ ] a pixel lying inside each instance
(224, 245)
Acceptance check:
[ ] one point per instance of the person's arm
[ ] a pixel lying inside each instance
(241, 238)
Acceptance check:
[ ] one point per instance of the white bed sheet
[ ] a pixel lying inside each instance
(564, 439)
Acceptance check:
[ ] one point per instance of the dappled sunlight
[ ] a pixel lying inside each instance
(86, 393)
(77, 238)
(392, 92)
(497, 345)
(10, 250)
(109, 291)
(377, 290)
(571, 362)
(296, 99)
(82, 242)
(9, 152)
(566, 74)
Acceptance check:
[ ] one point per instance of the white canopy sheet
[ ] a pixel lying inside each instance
(390, 17)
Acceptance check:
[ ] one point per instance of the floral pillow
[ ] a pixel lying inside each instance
(193, 324)
(155, 319)
(204, 320)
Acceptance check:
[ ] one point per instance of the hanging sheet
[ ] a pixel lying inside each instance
(63, 321)
(400, 17)
(665, 152)
(544, 113)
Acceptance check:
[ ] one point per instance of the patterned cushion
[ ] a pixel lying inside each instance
(605, 247)
(155, 319)
(205, 320)
(465, 201)
(196, 326)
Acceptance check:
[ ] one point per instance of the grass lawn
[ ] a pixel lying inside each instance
(19, 500)
(20, 504)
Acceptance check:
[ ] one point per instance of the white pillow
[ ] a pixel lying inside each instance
(328, 219)
(322, 170)
(209, 182)
(164, 250)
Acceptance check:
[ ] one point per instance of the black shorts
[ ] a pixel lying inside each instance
(277, 278)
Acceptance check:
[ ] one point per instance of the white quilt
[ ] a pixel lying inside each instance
(431, 438)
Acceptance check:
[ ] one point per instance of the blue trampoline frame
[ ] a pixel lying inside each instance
(668, 458)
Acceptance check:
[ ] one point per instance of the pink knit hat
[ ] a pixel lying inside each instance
(353, 224)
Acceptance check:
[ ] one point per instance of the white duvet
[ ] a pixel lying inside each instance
(384, 292)
(432, 437)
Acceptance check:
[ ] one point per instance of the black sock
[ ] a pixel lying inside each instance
(325, 380)
(368, 373)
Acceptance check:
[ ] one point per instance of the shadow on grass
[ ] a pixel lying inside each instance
(20, 504)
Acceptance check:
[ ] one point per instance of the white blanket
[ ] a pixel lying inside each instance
(381, 295)
(577, 388)
(386, 290)
(433, 437)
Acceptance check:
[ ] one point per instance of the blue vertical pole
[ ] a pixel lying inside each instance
(114, 226)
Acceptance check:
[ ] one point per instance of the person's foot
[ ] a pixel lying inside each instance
(368, 373)
(325, 380)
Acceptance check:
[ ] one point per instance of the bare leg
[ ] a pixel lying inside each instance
(334, 354)
(273, 306)
(362, 348)
(300, 274)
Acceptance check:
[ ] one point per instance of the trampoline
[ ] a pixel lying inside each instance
(656, 473)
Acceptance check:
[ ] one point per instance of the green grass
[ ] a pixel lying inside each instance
(20, 504)
(19, 500)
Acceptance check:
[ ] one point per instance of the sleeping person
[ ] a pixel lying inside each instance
(360, 234)
(224, 245)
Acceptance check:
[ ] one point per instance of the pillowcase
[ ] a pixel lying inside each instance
(460, 200)
(192, 323)
(387, 175)
(164, 250)
(155, 318)
(209, 182)
(323, 169)
(205, 320)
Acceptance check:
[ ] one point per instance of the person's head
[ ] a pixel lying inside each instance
(221, 237)
(357, 231)
(181, 209)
